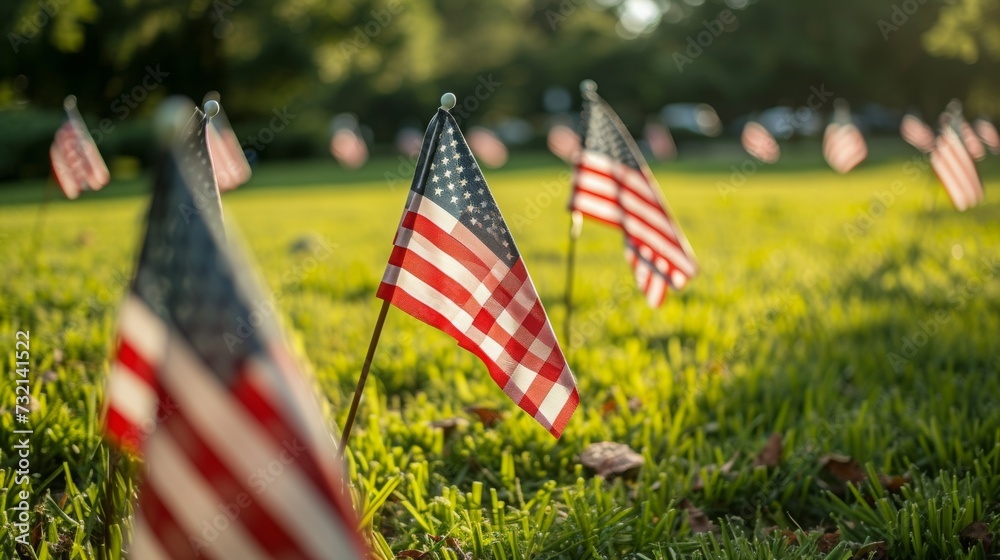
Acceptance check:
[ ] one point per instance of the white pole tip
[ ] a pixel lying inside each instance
(588, 86)
(70, 102)
(448, 101)
(212, 108)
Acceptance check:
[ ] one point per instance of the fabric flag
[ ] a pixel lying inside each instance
(487, 147)
(759, 143)
(972, 142)
(955, 167)
(228, 160)
(917, 133)
(76, 163)
(455, 267)
(989, 135)
(564, 143)
(844, 147)
(203, 387)
(661, 142)
(613, 184)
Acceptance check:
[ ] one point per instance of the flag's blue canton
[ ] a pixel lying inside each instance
(601, 133)
(455, 183)
(183, 274)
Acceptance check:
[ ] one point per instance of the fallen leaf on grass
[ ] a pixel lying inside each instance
(872, 551)
(607, 458)
(411, 554)
(843, 468)
(449, 425)
(894, 483)
(697, 520)
(611, 405)
(977, 532)
(770, 456)
(488, 416)
(827, 542)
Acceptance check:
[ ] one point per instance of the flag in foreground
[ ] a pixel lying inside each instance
(455, 267)
(955, 167)
(917, 133)
(228, 160)
(199, 358)
(759, 143)
(76, 163)
(613, 184)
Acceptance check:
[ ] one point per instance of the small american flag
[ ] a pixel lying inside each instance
(76, 163)
(228, 160)
(917, 133)
(661, 142)
(844, 147)
(455, 267)
(202, 385)
(759, 143)
(972, 142)
(989, 135)
(613, 184)
(564, 143)
(955, 167)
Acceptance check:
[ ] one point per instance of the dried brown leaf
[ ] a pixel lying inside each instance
(977, 532)
(843, 468)
(411, 554)
(827, 542)
(697, 520)
(608, 458)
(449, 425)
(894, 483)
(488, 416)
(770, 456)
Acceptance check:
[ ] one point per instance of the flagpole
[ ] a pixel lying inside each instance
(376, 334)
(448, 102)
(575, 227)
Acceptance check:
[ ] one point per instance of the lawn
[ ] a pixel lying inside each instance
(855, 317)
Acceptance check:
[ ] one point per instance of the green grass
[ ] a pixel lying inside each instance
(788, 329)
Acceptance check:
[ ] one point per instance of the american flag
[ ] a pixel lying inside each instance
(203, 387)
(844, 147)
(564, 143)
(613, 184)
(989, 135)
(759, 143)
(955, 167)
(76, 163)
(972, 142)
(660, 141)
(455, 267)
(228, 160)
(917, 133)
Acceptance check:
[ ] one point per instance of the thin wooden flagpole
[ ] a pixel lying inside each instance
(364, 377)
(576, 225)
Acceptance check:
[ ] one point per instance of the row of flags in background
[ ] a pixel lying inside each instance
(227, 398)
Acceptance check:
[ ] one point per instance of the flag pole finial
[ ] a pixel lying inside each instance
(588, 88)
(448, 101)
(69, 103)
(212, 108)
